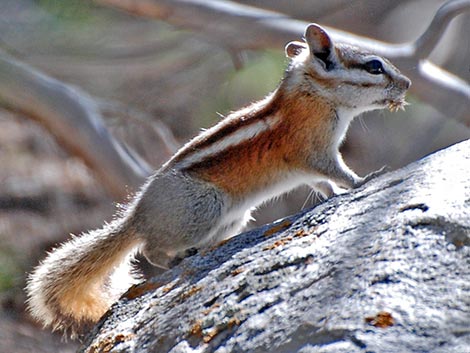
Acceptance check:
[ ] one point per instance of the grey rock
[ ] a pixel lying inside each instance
(384, 268)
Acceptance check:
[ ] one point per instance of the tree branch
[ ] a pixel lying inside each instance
(425, 44)
(124, 112)
(72, 117)
(242, 27)
(318, 281)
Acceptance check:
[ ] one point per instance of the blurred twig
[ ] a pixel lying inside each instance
(425, 44)
(242, 27)
(72, 116)
(124, 112)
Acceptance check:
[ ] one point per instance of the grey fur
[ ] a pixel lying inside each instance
(176, 212)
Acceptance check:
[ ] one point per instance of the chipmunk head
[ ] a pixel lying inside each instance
(349, 77)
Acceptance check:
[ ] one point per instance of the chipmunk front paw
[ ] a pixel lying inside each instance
(372, 175)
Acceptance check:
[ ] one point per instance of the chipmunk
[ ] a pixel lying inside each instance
(206, 191)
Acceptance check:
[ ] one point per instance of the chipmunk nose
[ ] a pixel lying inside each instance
(406, 82)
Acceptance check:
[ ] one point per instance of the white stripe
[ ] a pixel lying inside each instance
(241, 135)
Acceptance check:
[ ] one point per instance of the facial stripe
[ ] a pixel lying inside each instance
(361, 84)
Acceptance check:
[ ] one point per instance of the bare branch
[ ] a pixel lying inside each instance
(73, 118)
(222, 22)
(429, 39)
(124, 112)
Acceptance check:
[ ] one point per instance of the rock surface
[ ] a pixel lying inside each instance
(385, 268)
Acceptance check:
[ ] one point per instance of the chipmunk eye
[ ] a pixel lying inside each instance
(374, 67)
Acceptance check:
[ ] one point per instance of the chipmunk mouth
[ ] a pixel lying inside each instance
(394, 105)
(397, 104)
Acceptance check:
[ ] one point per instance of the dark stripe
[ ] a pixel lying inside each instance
(365, 84)
(229, 126)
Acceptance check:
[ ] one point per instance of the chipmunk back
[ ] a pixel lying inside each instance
(205, 193)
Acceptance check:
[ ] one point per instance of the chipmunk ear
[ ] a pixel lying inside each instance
(320, 44)
(294, 48)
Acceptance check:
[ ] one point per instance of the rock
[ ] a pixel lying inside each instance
(384, 268)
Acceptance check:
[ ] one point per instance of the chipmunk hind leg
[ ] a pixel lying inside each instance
(168, 259)
(176, 213)
(157, 257)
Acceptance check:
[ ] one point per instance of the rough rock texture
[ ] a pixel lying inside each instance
(384, 268)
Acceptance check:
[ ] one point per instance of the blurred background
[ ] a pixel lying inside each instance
(157, 85)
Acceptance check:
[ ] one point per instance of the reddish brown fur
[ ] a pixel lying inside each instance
(225, 128)
(254, 164)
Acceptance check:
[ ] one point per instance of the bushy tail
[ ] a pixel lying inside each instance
(77, 282)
